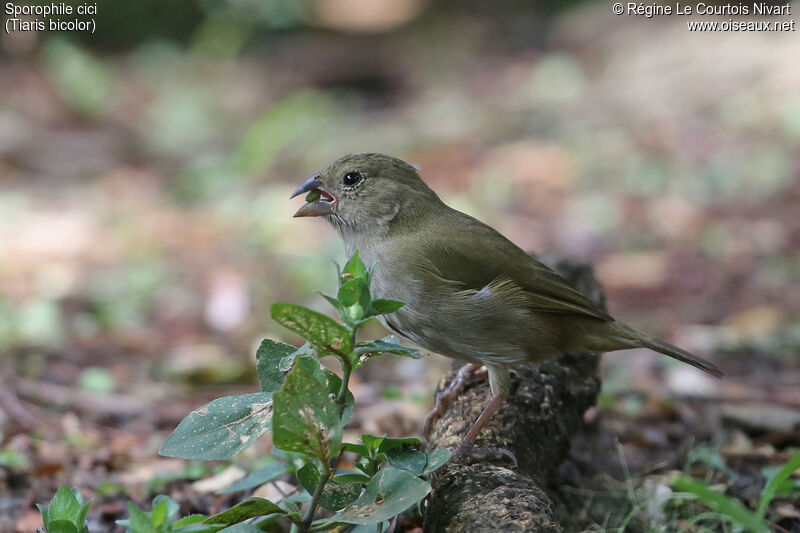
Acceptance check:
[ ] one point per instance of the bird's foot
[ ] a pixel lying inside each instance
(467, 450)
(466, 375)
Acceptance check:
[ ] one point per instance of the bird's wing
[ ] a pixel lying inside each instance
(476, 257)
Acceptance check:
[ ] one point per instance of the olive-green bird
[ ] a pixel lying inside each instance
(470, 293)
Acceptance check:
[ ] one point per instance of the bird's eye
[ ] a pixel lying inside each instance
(351, 178)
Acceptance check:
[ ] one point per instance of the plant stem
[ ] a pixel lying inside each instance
(347, 369)
(312, 510)
(329, 467)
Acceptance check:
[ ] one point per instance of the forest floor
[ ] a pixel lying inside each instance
(146, 229)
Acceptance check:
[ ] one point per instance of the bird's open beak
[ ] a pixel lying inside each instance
(318, 202)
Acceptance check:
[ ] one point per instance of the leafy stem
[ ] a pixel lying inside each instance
(323, 480)
(327, 470)
(347, 369)
(306, 407)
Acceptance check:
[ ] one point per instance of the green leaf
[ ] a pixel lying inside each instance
(372, 443)
(385, 307)
(258, 477)
(360, 449)
(722, 504)
(80, 522)
(61, 525)
(354, 477)
(334, 496)
(333, 301)
(306, 415)
(78, 495)
(364, 301)
(326, 335)
(368, 467)
(355, 267)
(13, 459)
(389, 344)
(356, 312)
(168, 506)
(66, 512)
(198, 527)
(370, 528)
(245, 527)
(436, 458)
(43, 509)
(786, 489)
(244, 511)
(138, 521)
(158, 516)
(340, 309)
(65, 505)
(274, 360)
(412, 461)
(389, 444)
(334, 384)
(350, 291)
(711, 456)
(389, 493)
(221, 428)
(775, 482)
(308, 476)
(191, 519)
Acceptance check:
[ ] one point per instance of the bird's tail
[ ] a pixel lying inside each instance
(633, 337)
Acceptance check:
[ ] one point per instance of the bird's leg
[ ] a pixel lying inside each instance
(466, 375)
(500, 384)
(490, 409)
(467, 446)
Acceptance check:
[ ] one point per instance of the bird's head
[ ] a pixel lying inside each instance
(364, 190)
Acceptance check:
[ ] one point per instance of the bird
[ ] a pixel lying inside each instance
(470, 293)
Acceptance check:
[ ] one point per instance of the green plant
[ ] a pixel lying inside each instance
(306, 406)
(164, 519)
(66, 512)
(729, 509)
(11, 458)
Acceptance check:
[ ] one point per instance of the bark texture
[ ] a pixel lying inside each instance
(543, 411)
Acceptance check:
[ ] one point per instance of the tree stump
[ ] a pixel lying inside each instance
(543, 411)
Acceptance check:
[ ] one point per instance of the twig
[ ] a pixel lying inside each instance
(17, 411)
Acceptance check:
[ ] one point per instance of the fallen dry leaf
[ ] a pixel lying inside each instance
(275, 491)
(761, 416)
(224, 479)
(29, 521)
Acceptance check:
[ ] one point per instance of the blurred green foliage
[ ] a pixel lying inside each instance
(37, 322)
(285, 121)
(82, 80)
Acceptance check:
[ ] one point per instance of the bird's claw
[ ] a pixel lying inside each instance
(466, 375)
(467, 450)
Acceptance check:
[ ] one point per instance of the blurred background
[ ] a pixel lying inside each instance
(145, 225)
